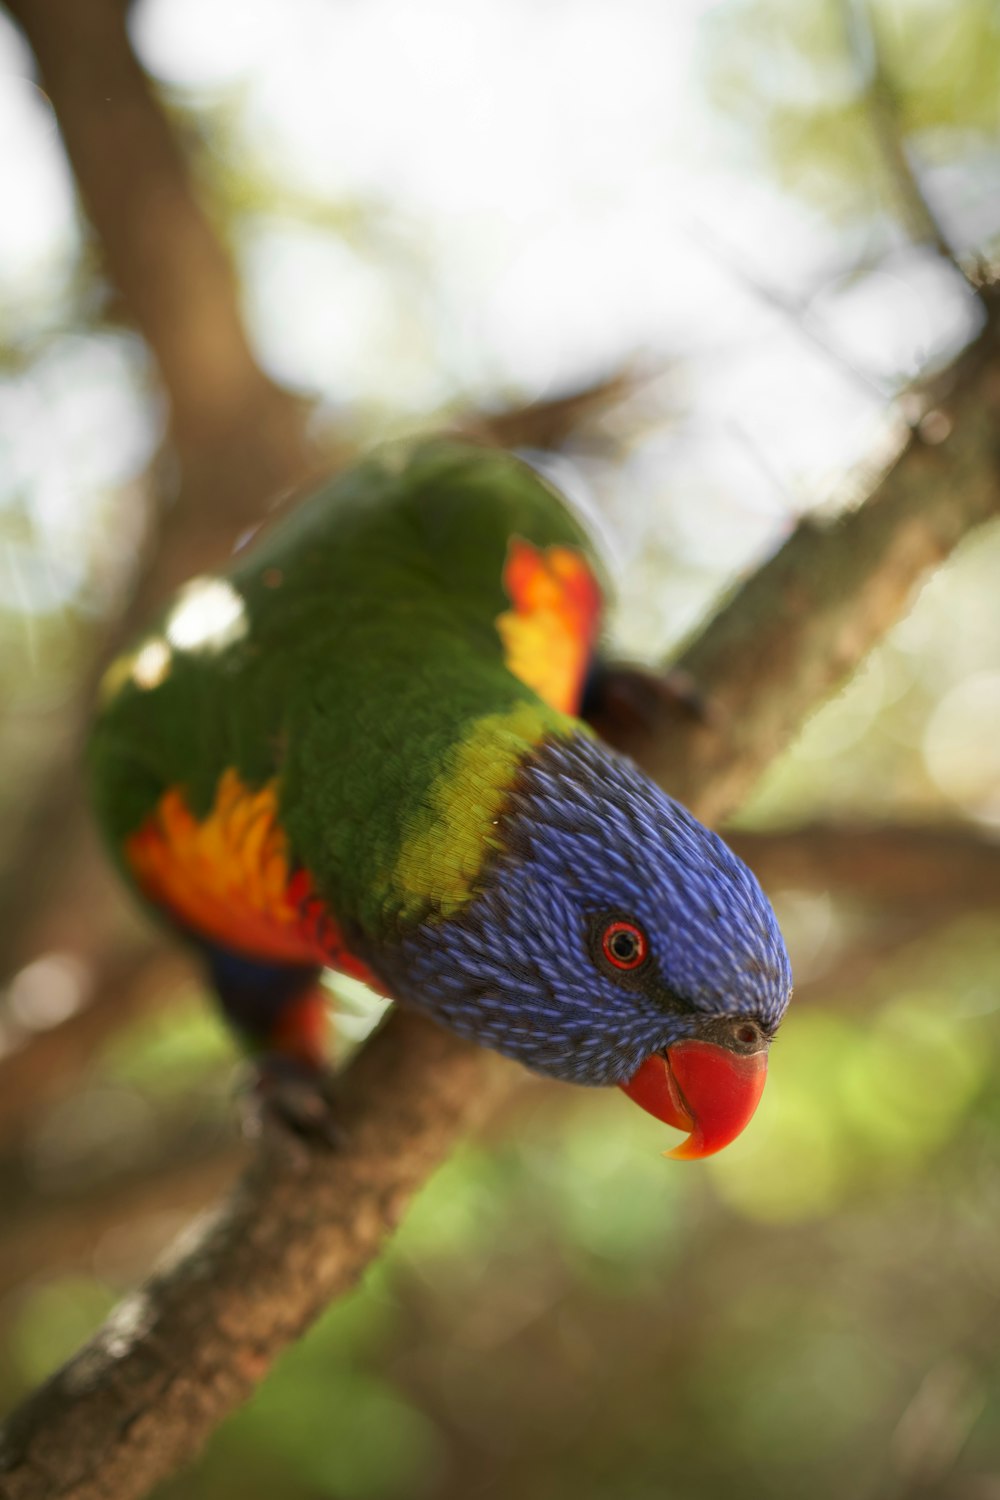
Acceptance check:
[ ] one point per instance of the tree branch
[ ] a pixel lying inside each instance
(912, 879)
(300, 1228)
(920, 219)
(551, 421)
(162, 255)
(799, 626)
(944, 869)
(239, 438)
(149, 1388)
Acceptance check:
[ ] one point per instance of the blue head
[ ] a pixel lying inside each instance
(609, 929)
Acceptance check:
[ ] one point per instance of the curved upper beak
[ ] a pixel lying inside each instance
(701, 1087)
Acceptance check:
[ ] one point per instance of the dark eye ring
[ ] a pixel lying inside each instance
(624, 945)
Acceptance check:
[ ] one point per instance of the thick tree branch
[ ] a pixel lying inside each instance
(160, 251)
(238, 438)
(300, 1228)
(797, 628)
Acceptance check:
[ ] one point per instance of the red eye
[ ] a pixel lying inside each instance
(624, 945)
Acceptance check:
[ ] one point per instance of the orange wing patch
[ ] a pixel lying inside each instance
(228, 878)
(549, 635)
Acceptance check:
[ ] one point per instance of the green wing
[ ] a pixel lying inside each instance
(379, 659)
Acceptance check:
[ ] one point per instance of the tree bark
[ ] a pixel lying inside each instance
(163, 257)
(929, 871)
(796, 628)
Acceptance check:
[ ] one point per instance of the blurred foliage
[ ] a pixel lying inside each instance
(563, 1314)
(798, 77)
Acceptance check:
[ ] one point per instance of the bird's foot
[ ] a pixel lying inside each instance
(297, 1096)
(622, 698)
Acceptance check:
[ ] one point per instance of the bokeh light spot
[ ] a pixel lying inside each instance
(208, 616)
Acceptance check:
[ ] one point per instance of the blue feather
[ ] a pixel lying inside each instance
(586, 838)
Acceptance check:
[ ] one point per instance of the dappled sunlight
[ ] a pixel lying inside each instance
(151, 664)
(209, 615)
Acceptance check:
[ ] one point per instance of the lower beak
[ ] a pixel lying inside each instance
(707, 1090)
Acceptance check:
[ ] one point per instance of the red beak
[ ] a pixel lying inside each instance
(707, 1090)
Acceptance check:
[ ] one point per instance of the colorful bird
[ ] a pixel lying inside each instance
(364, 748)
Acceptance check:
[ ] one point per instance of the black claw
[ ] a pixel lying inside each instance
(295, 1095)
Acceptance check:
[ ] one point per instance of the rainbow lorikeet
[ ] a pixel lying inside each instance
(365, 748)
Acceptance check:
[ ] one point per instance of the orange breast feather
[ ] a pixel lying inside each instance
(550, 632)
(229, 878)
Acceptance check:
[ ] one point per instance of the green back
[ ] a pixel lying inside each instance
(367, 673)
